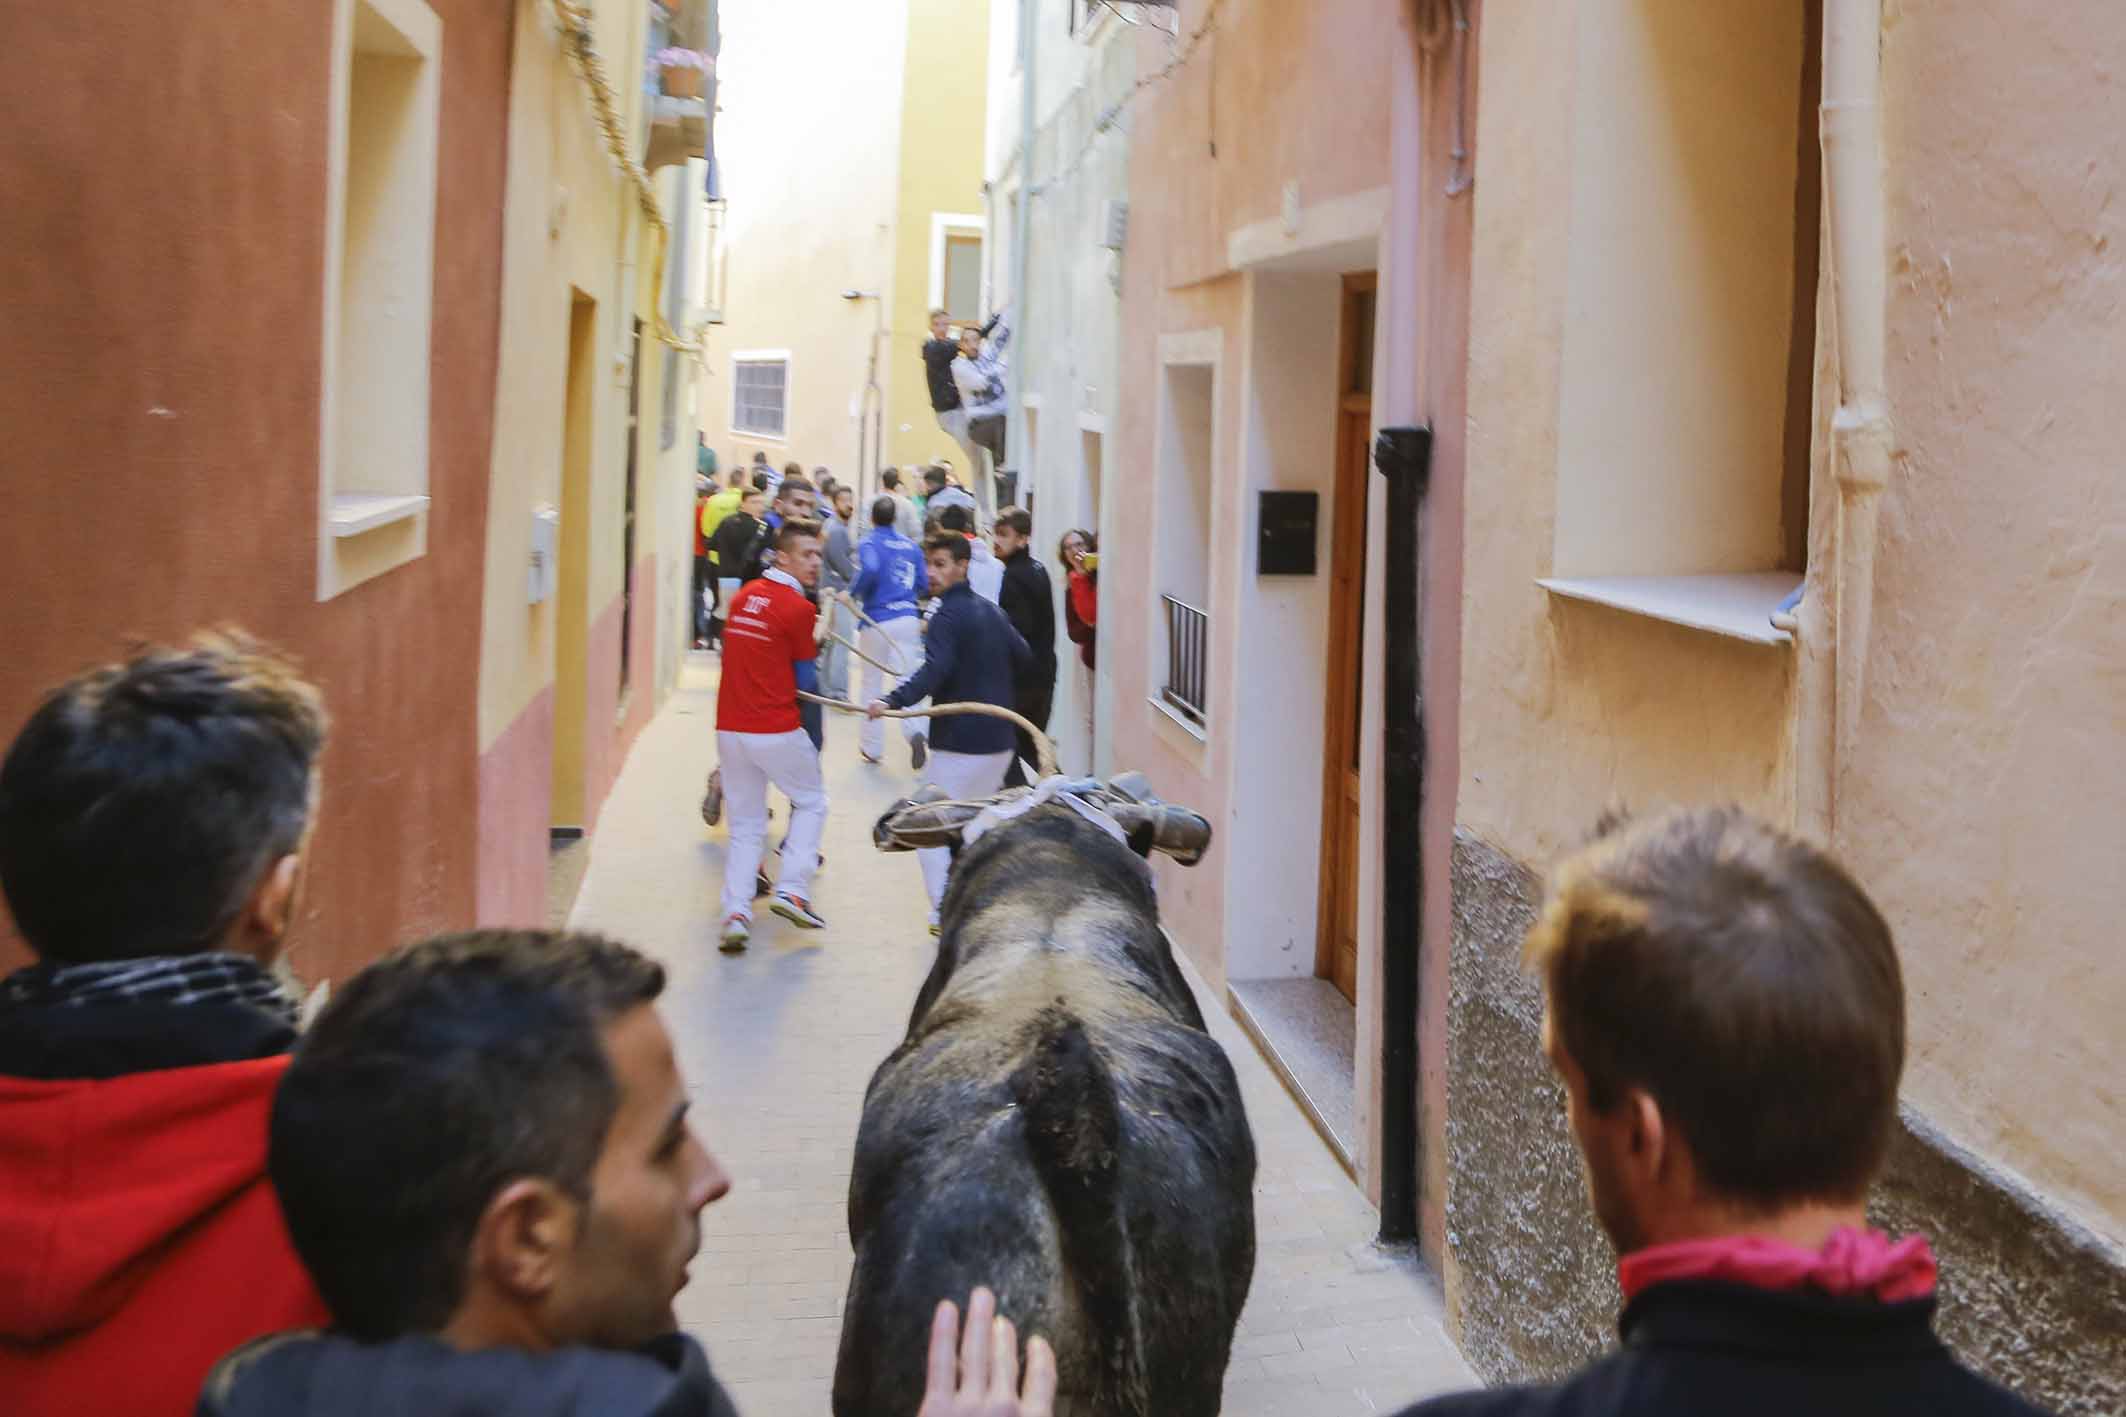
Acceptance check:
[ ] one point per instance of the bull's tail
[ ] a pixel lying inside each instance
(1073, 1130)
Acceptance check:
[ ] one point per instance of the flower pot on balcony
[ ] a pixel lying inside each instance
(681, 81)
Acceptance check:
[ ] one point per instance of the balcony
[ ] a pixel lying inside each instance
(676, 104)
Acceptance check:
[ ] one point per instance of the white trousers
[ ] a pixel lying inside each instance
(750, 762)
(899, 643)
(963, 776)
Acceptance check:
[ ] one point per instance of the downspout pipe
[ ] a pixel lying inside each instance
(1021, 248)
(1863, 441)
(1404, 457)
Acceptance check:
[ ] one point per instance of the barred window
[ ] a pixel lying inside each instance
(759, 396)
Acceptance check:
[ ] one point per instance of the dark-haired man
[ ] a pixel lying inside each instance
(488, 1167)
(1730, 1134)
(938, 353)
(985, 573)
(153, 820)
(970, 655)
(941, 492)
(794, 501)
(1028, 601)
(762, 736)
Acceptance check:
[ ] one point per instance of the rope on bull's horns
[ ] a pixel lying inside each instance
(1044, 750)
(881, 668)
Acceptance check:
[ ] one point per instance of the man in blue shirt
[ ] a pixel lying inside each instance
(889, 574)
(971, 655)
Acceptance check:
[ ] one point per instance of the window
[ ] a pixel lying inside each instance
(963, 277)
(379, 286)
(956, 248)
(1181, 511)
(1691, 290)
(760, 391)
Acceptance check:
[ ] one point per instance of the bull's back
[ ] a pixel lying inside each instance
(1097, 1174)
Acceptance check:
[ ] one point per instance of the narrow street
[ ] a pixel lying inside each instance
(779, 1043)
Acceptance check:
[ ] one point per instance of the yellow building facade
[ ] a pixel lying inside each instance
(842, 231)
(591, 485)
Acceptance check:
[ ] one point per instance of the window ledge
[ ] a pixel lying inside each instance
(1737, 606)
(356, 512)
(1179, 719)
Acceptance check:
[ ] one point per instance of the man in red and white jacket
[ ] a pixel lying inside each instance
(768, 654)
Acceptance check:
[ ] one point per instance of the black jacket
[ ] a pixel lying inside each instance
(970, 655)
(1692, 1348)
(938, 355)
(325, 1375)
(1028, 601)
(739, 542)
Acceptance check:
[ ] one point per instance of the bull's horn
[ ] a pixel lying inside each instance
(1173, 831)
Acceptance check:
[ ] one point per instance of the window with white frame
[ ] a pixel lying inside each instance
(760, 393)
(379, 284)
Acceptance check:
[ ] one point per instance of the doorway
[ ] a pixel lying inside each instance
(572, 572)
(1336, 943)
(627, 516)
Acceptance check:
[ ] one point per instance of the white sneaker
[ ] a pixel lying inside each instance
(737, 933)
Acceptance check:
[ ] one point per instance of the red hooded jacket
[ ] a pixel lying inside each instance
(140, 1239)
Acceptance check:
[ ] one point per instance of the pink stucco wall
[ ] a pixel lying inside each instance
(1211, 151)
(516, 773)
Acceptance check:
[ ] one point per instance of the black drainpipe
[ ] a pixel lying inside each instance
(1404, 457)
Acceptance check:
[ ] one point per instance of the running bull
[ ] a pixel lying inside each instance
(1057, 1125)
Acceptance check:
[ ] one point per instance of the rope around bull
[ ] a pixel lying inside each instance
(1044, 750)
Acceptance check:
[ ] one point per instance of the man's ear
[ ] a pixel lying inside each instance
(266, 917)
(1651, 1146)
(522, 1239)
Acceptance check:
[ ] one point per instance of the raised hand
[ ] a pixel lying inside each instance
(984, 1381)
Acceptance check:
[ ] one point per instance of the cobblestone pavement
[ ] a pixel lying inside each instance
(779, 1043)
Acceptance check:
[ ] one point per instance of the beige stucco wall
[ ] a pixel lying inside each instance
(1564, 706)
(808, 140)
(1985, 807)
(561, 232)
(1680, 286)
(943, 112)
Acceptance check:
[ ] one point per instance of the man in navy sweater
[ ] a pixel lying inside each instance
(971, 654)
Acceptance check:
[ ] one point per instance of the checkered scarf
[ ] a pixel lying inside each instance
(213, 978)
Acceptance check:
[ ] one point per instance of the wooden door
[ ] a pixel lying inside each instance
(1336, 948)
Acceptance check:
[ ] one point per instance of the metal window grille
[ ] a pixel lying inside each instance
(1188, 640)
(757, 405)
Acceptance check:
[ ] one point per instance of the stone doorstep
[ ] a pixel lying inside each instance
(1306, 1032)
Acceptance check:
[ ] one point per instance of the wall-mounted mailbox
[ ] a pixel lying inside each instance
(1285, 533)
(545, 543)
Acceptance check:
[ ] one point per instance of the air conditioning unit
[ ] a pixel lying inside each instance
(1114, 223)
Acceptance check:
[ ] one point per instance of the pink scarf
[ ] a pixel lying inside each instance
(1851, 1263)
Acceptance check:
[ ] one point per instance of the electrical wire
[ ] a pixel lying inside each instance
(1111, 116)
(574, 22)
